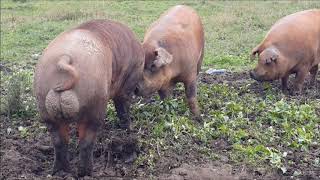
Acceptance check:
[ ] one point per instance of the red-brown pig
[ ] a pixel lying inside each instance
(174, 47)
(292, 45)
(78, 73)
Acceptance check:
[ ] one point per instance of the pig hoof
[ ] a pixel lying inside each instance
(197, 118)
(60, 174)
(61, 166)
(295, 93)
(285, 91)
(125, 126)
(312, 83)
(84, 171)
(60, 171)
(130, 158)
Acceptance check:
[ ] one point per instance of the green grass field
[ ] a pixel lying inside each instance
(232, 29)
(259, 126)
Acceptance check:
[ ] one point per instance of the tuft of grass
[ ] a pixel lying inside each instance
(18, 100)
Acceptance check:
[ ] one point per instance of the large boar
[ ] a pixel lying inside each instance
(174, 47)
(291, 46)
(78, 73)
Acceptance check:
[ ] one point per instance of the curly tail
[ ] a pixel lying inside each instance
(64, 64)
(61, 101)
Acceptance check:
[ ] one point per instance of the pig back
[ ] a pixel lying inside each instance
(127, 54)
(301, 31)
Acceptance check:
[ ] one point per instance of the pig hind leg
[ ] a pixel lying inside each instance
(191, 93)
(299, 80)
(313, 73)
(87, 130)
(122, 106)
(60, 137)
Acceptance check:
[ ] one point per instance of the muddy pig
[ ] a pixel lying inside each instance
(174, 47)
(78, 73)
(292, 45)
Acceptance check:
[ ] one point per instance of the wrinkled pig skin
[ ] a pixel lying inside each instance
(78, 73)
(174, 47)
(292, 46)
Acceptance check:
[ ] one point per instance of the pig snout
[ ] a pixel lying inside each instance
(138, 90)
(253, 75)
(142, 90)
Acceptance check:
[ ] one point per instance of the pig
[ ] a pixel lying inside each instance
(174, 48)
(292, 45)
(79, 71)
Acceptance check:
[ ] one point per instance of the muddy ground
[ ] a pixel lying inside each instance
(32, 157)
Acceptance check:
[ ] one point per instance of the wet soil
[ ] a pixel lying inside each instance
(239, 80)
(116, 150)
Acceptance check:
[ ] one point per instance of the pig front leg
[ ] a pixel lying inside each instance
(191, 93)
(313, 73)
(122, 105)
(165, 92)
(60, 137)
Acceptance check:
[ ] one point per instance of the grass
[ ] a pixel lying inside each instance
(232, 28)
(261, 131)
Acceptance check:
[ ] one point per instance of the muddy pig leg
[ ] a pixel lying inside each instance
(284, 83)
(313, 73)
(165, 92)
(60, 137)
(298, 83)
(191, 93)
(122, 106)
(87, 135)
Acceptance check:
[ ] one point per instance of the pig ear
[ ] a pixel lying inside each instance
(163, 57)
(254, 52)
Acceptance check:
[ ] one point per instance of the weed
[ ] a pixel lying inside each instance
(18, 99)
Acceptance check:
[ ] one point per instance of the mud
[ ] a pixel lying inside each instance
(239, 80)
(31, 157)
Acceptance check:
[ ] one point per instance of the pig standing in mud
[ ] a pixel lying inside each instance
(78, 73)
(174, 47)
(291, 46)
